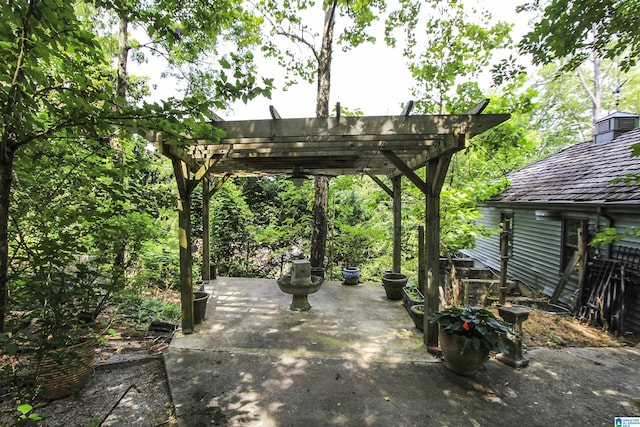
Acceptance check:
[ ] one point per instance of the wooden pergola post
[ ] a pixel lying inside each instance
(432, 254)
(206, 245)
(436, 172)
(397, 223)
(185, 187)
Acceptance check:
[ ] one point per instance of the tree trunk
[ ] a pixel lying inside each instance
(320, 229)
(114, 141)
(123, 54)
(321, 183)
(6, 178)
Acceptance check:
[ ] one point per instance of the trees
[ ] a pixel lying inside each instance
(69, 204)
(229, 231)
(454, 46)
(575, 30)
(49, 60)
(209, 50)
(286, 19)
(57, 83)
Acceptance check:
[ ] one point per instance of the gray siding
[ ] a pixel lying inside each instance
(487, 250)
(537, 252)
(623, 222)
(536, 249)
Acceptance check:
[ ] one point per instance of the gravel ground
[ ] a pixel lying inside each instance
(128, 388)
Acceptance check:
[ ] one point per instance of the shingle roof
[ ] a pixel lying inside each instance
(579, 173)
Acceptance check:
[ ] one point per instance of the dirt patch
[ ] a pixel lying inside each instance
(551, 330)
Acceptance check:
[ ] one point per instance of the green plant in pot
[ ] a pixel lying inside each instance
(61, 289)
(80, 212)
(62, 335)
(468, 335)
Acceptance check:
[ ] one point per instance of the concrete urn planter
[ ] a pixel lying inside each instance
(393, 284)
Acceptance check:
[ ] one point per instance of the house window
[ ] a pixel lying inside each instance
(572, 229)
(506, 223)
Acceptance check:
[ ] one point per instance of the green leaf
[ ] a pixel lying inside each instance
(25, 408)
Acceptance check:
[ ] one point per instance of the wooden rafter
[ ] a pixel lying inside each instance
(386, 145)
(336, 145)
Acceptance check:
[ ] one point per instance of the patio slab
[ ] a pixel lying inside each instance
(355, 359)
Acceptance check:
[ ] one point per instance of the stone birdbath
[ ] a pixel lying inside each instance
(300, 283)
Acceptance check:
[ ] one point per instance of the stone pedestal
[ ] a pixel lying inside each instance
(514, 357)
(300, 284)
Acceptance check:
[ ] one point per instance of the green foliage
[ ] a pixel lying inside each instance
(142, 310)
(574, 30)
(611, 235)
(454, 48)
(414, 294)
(478, 327)
(297, 48)
(27, 417)
(208, 49)
(354, 245)
(159, 265)
(230, 218)
(358, 234)
(281, 221)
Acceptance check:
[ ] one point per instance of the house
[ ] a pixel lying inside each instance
(555, 207)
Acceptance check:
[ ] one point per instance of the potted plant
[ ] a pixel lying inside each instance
(411, 296)
(417, 315)
(57, 335)
(65, 334)
(468, 335)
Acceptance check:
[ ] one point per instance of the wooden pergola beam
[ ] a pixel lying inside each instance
(381, 184)
(380, 145)
(405, 170)
(330, 129)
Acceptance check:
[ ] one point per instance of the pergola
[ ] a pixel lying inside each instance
(394, 146)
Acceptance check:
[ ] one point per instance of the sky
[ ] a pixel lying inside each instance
(372, 78)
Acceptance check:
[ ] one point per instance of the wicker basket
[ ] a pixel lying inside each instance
(64, 371)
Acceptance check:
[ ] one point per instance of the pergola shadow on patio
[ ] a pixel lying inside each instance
(355, 359)
(345, 322)
(378, 146)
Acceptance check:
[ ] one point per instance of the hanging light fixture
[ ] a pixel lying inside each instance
(297, 176)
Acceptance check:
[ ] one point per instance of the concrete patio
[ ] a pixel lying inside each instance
(355, 359)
